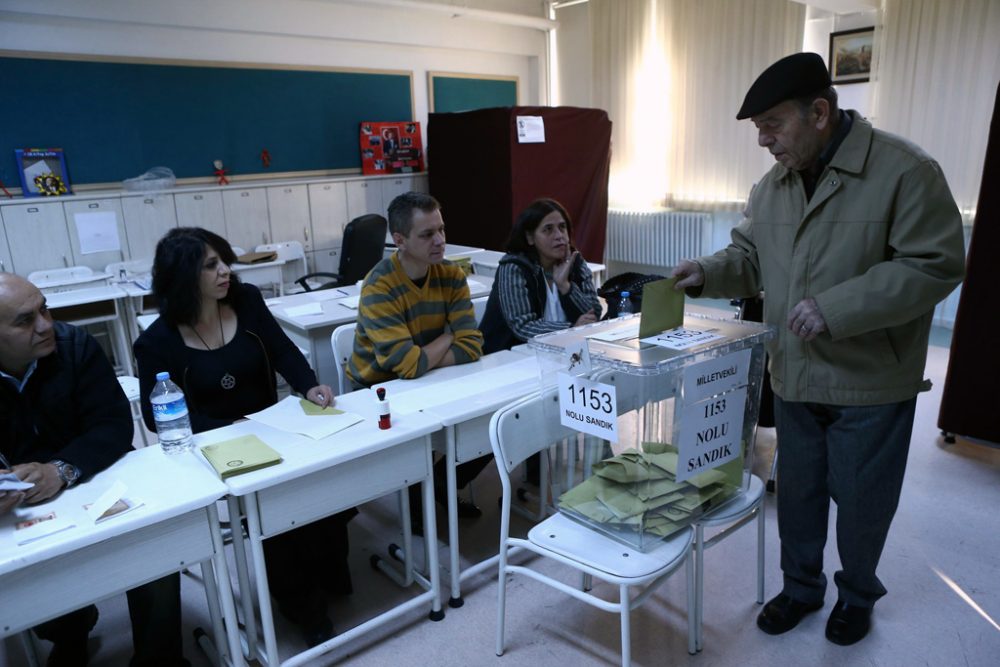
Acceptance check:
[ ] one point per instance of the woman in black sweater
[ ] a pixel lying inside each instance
(222, 347)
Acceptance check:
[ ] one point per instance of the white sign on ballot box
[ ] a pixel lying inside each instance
(588, 406)
(715, 396)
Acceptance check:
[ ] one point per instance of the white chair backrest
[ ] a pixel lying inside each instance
(479, 306)
(342, 342)
(526, 426)
(72, 277)
(295, 259)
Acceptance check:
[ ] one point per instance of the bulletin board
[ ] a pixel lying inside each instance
(116, 118)
(451, 92)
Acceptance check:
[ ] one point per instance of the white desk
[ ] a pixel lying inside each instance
(312, 332)
(318, 478)
(176, 527)
(464, 398)
(92, 305)
(485, 263)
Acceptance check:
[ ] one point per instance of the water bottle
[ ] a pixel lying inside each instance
(173, 426)
(625, 304)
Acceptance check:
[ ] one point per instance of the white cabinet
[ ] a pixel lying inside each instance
(147, 218)
(201, 209)
(393, 187)
(5, 263)
(363, 197)
(288, 211)
(96, 232)
(328, 203)
(37, 236)
(246, 217)
(419, 183)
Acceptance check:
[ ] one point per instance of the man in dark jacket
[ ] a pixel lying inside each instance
(63, 419)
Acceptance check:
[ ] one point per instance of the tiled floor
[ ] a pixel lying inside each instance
(941, 566)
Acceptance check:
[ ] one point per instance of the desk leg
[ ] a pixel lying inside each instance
(123, 346)
(454, 562)
(430, 526)
(260, 574)
(243, 574)
(224, 592)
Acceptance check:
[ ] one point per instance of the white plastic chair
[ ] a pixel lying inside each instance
(734, 514)
(479, 306)
(522, 429)
(130, 386)
(122, 271)
(342, 342)
(295, 263)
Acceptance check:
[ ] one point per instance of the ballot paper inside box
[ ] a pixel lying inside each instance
(668, 422)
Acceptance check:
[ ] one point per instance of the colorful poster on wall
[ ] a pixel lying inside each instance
(42, 171)
(391, 148)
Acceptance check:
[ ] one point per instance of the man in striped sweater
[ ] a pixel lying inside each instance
(415, 315)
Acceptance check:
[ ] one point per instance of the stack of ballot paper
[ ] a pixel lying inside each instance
(637, 493)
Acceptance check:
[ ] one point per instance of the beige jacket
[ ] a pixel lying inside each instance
(878, 245)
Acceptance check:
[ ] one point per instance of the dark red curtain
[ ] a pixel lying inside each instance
(483, 177)
(970, 405)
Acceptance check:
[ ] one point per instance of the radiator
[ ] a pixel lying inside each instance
(657, 238)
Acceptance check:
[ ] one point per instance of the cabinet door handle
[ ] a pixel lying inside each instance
(288, 190)
(305, 233)
(147, 201)
(94, 205)
(33, 209)
(244, 194)
(199, 197)
(65, 261)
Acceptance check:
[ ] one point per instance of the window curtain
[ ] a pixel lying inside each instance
(937, 67)
(672, 75)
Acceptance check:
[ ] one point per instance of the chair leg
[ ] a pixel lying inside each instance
(699, 584)
(625, 604)
(692, 629)
(760, 553)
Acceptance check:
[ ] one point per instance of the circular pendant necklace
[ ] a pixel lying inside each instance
(228, 381)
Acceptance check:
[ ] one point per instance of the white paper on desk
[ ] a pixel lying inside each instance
(351, 302)
(10, 482)
(429, 396)
(302, 311)
(325, 294)
(530, 130)
(98, 232)
(106, 500)
(40, 529)
(286, 415)
(273, 301)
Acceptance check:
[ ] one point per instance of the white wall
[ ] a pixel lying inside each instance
(819, 25)
(287, 32)
(573, 75)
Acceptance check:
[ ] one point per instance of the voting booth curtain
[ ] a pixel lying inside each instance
(971, 400)
(484, 177)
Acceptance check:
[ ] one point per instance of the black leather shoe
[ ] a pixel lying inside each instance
(782, 613)
(848, 624)
(317, 632)
(467, 510)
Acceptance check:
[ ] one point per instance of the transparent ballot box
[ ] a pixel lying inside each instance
(668, 421)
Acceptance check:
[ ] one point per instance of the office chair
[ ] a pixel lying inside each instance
(363, 246)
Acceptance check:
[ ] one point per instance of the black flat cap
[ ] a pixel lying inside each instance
(793, 76)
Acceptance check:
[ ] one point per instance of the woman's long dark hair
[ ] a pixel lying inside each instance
(180, 256)
(528, 222)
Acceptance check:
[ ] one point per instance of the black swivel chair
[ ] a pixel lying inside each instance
(363, 246)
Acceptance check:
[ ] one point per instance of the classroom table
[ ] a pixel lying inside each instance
(176, 527)
(92, 305)
(311, 332)
(318, 478)
(464, 398)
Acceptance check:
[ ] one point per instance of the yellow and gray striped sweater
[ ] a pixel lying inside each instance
(396, 318)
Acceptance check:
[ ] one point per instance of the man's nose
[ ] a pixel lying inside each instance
(764, 139)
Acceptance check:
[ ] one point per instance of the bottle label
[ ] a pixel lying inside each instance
(171, 410)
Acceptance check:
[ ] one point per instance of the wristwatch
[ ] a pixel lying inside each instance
(68, 473)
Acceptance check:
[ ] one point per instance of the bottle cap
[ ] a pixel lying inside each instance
(626, 294)
(380, 392)
(162, 375)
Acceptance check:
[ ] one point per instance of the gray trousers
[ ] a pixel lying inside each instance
(856, 456)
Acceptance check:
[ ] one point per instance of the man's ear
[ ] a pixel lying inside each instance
(821, 108)
(398, 239)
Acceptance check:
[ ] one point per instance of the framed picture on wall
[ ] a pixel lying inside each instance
(851, 55)
(43, 172)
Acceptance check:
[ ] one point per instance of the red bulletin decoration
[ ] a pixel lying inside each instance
(265, 158)
(5, 190)
(220, 172)
(391, 148)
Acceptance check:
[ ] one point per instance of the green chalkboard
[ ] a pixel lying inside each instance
(115, 120)
(453, 93)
